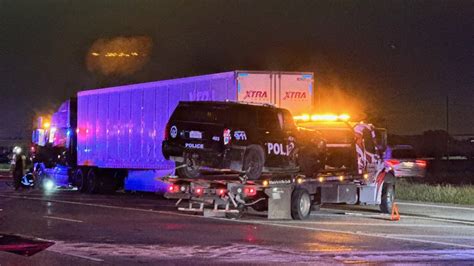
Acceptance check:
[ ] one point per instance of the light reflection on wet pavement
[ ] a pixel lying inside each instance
(131, 228)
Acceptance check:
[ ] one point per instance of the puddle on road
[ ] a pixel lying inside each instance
(22, 246)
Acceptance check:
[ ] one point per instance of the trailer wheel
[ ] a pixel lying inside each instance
(93, 184)
(300, 204)
(79, 180)
(388, 196)
(254, 160)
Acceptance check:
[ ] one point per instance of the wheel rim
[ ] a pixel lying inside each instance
(191, 167)
(251, 164)
(305, 204)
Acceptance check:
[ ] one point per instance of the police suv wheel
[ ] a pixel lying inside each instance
(254, 160)
(187, 170)
(388, 197)
(300, 204)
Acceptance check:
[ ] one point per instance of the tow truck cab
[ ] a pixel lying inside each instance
(54, 144)
(356, 148)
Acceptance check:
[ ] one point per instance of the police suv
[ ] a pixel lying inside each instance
(246, 138)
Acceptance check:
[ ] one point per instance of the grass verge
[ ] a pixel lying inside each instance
(435, 193)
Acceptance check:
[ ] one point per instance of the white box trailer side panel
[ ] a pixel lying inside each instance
(123, 127)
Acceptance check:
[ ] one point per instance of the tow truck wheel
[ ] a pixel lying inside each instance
(300, 204)
(388, 196)
(79, 180)
(254, 160)
(187, 169)
(93, 184)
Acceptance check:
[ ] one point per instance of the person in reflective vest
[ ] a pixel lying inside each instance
(17, 167)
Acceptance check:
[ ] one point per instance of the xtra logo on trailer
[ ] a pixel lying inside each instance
(295, 95)
(256, 94)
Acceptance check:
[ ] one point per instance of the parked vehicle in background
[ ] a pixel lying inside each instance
(403, 160)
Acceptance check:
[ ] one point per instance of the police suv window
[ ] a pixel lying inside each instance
(267, 119)
(243, 116)
(288, 123)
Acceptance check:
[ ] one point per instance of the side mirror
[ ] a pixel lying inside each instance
(381, 140)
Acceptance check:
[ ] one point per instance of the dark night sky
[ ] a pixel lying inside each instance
(401, 57)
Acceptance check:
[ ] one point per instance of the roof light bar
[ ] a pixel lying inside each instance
(322, 117)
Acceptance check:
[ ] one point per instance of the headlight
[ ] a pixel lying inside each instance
(48, 185)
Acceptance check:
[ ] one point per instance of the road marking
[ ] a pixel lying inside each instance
(75, 255)
(436, 206)
(376, 224)
(434, 236)
(358, 233)
(63, 219)
(104, 206)
(440, 219)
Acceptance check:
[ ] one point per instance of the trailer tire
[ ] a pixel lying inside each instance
(79, 180)
(188, 171)
(300, 204)
(93, 184)
(388, 197)
(254, 160)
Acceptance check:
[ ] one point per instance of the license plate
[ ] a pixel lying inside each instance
(195, 134)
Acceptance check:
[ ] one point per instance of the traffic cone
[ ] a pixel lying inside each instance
(395, 214)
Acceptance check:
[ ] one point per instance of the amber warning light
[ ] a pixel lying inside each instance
(322, 117)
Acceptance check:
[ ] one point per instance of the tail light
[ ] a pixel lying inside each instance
(173, 188)
(227, 136)
(221, 191)
(167, 132)
(393, 162)
(198, 191)
(421, 163)
(250, 191)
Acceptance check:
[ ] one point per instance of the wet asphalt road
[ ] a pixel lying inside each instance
(145, 229)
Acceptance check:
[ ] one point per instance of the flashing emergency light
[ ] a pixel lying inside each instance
(322, 117)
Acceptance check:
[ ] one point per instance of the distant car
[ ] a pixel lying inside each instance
(403, 160)
(5, 157)
(251, 138)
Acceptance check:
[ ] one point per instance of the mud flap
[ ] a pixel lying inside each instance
(279, 202)
(368, 195)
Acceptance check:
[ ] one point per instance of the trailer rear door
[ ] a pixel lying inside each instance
(255, 87)
(295, 92)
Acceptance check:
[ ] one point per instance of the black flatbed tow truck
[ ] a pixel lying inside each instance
(293, 195)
